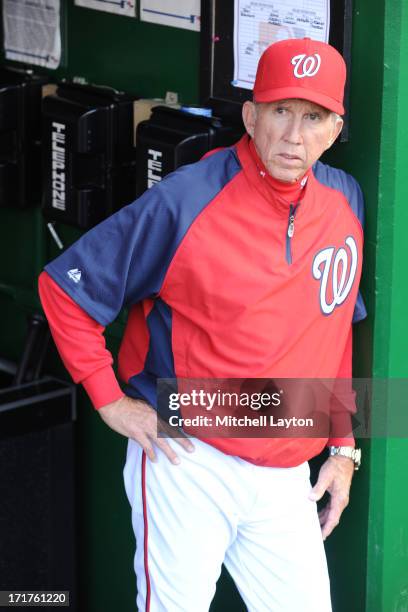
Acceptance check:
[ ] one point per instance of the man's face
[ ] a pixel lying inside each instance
(290, 135)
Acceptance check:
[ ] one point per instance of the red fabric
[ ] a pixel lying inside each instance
(301, 68)
(80, 342)
(341, 418)
(135, 342)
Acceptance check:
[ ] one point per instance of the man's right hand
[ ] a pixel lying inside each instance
(138, 420)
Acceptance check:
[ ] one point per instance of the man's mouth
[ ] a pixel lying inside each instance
(288, 156)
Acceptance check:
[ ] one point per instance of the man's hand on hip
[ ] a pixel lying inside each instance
(335, 477)
(138, 420)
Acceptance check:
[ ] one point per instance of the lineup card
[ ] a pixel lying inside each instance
(259, 24)
(119, 7)
(32, 31)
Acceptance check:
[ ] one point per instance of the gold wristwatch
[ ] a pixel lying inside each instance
(347, 451)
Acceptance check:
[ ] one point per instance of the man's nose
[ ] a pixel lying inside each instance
(293, 132)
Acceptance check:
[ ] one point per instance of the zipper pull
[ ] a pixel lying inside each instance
(291, 226)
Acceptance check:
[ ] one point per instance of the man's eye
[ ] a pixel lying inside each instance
(314, 116)
(280, 110)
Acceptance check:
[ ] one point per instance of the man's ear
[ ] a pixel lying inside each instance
(337, 127)
(249, 117)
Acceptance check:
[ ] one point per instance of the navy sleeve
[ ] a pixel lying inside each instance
(125, 258)
(340, 180)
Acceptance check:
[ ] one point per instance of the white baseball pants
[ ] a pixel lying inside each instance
(211, 509)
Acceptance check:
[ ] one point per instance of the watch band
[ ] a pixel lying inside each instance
(347, 451)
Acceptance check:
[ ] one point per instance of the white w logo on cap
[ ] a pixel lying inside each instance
(306, 65)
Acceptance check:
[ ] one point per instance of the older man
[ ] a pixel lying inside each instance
(244, 265)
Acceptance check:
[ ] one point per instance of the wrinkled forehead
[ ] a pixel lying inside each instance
(296, 103)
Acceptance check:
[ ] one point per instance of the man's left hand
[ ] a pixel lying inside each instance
(335, 477)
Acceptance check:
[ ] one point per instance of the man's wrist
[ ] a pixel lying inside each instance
(102, 387)
(354, 454)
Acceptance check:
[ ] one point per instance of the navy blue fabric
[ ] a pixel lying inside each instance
(341, 181)
(159, 361)
(125, 258)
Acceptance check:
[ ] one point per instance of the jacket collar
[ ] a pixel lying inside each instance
(276, 192)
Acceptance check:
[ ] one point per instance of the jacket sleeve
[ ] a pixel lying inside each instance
(80, 343)
(119, 262)
(343, 404)
(123, 261)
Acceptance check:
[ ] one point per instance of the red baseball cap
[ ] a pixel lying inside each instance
(301, 68)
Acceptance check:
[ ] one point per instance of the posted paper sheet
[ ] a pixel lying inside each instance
(32, 32)
(119, 7)
(259, 24)
(177, 13)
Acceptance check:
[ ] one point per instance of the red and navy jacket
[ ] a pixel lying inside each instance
(222, 279)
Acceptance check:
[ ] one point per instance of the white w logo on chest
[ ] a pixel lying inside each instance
(338, 269)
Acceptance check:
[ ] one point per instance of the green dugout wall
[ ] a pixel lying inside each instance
(368, 552)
